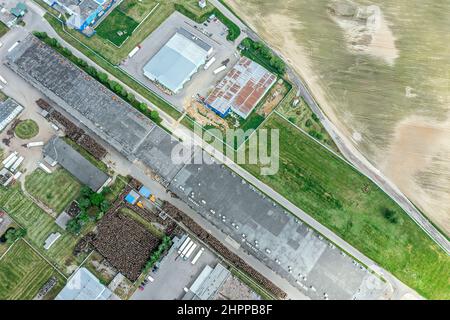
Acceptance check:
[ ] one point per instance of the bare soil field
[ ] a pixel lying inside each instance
(389, 94)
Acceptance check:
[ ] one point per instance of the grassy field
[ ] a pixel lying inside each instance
(3, 29)
(39, 226)
(26, 129)
(399, 111)
(117, 27)
(23, 273)
(302, 116)
(56, 190)
(349, 204)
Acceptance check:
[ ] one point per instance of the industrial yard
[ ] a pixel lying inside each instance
(201, 81)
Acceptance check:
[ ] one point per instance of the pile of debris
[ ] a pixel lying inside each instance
(74, 132)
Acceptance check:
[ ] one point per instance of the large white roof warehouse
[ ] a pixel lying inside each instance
(177, 60)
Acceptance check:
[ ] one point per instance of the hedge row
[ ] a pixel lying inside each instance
(100, 76)
(262, 54)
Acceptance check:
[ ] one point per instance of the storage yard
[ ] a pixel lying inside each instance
(273, 236)
(213, 39)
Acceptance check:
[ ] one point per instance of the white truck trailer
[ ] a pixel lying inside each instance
(197, 256)
(191, 250)
(35, 144)
(209, 63)
(185, 243)
(188, 247)
(219, 69)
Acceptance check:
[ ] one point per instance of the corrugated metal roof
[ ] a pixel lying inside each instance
(242, 88)
(175, 63)
(83, 285)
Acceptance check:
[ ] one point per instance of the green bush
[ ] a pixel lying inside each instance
(260, 53)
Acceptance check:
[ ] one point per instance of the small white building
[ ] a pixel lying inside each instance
(202, 4)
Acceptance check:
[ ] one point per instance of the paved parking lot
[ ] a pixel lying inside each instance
(174, 275)
(201, 82)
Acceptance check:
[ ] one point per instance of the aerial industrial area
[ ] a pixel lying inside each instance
(95, 97)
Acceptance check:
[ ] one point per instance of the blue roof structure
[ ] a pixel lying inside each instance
(132, 197)
(145, 192)
(83, 285)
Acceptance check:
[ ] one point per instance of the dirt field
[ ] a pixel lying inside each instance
(390, 99)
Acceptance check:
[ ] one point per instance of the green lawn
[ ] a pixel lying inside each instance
(117, 27)
(349, 204)
(138, 10)
(302, 116)
(23, 273)
(56, 190)
(3, 29)
(26, 129)
(39, 226)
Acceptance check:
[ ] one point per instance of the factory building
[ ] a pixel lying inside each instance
(83, 13)
(9, 110)
(241, 89)
(175, 63)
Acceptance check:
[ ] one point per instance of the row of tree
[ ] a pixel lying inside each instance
(102, 77)
(260, 52)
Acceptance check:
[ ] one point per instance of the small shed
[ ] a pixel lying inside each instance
(132, 197)
(145, 192)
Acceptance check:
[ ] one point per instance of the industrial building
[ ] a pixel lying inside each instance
(248, 217)
(57, 151)
(83, 285)
(209, 281)
(175, 63)
(83, 13)
(9, 110)
(241, 89)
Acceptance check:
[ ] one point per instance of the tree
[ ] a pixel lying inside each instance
(84, 203)
(73, 226)
(96, 199)
(13, 234)
(390, 215)
(86, 191)
(104, 206)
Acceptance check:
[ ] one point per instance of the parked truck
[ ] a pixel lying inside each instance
(219, 69)
(35, 144)
(191, 250)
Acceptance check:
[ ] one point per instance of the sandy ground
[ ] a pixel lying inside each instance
(416, 165)
(417, 160)
(369, 36)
